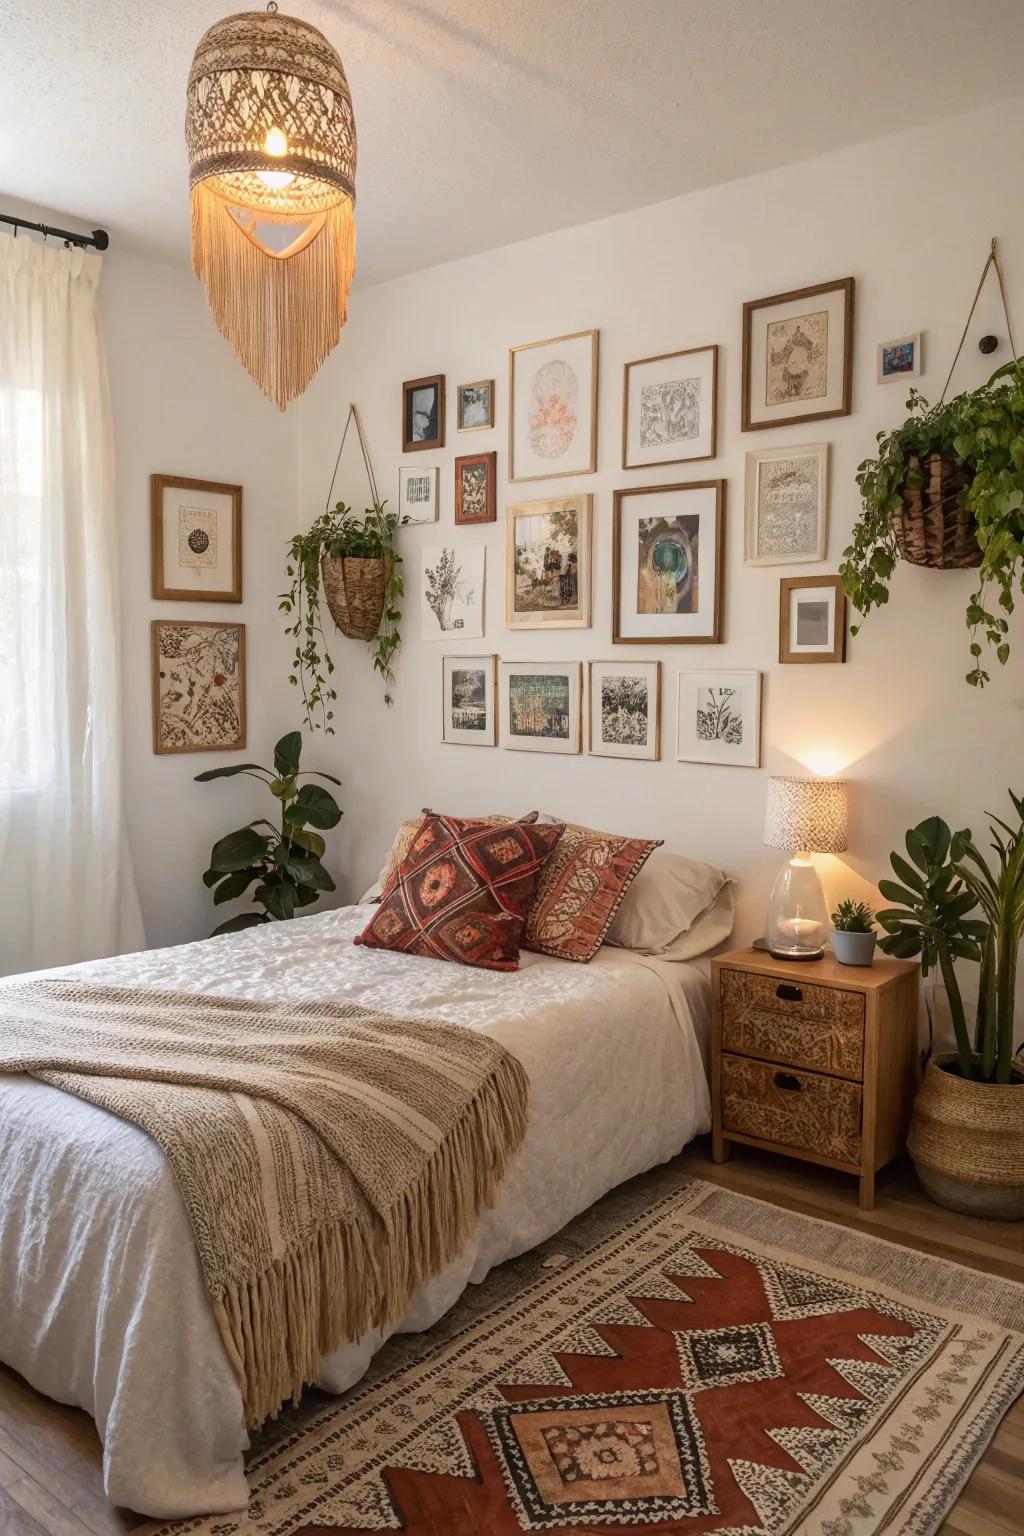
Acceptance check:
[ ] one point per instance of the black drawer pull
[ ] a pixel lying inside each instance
(788, 992)
(787, 1081)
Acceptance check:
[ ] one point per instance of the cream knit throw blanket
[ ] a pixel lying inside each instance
(331, 1158)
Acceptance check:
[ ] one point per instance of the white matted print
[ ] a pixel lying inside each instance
(453, 591)
(625, 709)
(553, 408)
(812, 619)
(787, 504)
(540, 705)
(469, 712)
(900, 359)
(547, 563)
(196, 540)
(667, 564)
(719, 718)
(417, 493)
(669, 408)
(798, 355)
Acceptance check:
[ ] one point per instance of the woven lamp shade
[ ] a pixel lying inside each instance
(806, 815)
(271, 144)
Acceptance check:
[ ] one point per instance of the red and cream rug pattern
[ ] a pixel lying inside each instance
(714, 1366)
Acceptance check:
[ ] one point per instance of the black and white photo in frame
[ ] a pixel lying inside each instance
(669, 408)
(475, 406)
(417, 493)
(452, 580)
(787, 504)
(718, 718)
(667, 564)
(812, 619)
(625, 709)
(469, 712)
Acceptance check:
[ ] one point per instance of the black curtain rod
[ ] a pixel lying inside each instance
(99, 237)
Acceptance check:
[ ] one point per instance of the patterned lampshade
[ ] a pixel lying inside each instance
(809, 815)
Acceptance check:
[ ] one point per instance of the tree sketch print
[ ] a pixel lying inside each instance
(447, 587)
(624, 706)
(720, 715)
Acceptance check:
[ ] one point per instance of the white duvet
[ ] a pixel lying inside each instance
(101, 1299)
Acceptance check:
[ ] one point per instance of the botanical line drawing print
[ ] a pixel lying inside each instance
(468, 702)
(446, 589)
(538, 705)
(198, 686)
(197, 537)
(624, 711)
(668, 564)
(669, 412)
(720, 715)
(797, 358)
(547, 560)
(788, 508)
(553, 409)
(474, 492)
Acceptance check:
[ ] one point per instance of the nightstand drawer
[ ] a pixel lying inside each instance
(792, 1109)
(794, 1022)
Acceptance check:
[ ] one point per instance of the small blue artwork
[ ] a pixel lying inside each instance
(899, 359)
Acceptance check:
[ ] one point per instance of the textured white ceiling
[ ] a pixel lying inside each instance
(483, 122)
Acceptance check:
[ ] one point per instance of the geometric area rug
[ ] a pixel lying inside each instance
(713, 1366)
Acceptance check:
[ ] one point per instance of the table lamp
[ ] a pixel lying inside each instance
(803, 816)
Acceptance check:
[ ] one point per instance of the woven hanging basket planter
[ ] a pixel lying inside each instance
(354, 588)
(932, 528)
(967, 1142)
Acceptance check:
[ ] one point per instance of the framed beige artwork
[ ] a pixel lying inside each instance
(196, 536)
(669, 408)
(624, 702)
(547, 563)
(668, 566)
(812, 619)
(552, 418)
(198, 686)
(798, 356)
(787, 505)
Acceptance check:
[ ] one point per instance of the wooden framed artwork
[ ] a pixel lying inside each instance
(900, 359)
(474, 409)
(798, 356)
(469, 712)
(475, 488)
(812, 619)
(423, 413)
(417, 493)
(624, 709)
(548, 563)
(196, 537)
(787, 504)
(453, 591)
(552, 416)
(669, 408)
(718, 719)
(198, 686)
(541, 705)
(668, 565)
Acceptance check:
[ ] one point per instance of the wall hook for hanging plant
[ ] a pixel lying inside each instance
(989, 343)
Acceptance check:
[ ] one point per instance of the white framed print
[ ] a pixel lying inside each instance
(552, 419)
(667, 564)
(787, 504)
(624, 709)
(469, 701)
(718, 718)
(900, 359)
(452, 579)
(798, 356)
(812, 619)
(669, 408)
(417, 493)
(196, 540)
(540, 705)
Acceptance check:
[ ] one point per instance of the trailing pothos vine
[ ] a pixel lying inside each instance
(339, 532)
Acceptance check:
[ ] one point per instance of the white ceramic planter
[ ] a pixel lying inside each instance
(853, 948)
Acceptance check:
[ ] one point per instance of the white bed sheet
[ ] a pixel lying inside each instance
(101, 1298)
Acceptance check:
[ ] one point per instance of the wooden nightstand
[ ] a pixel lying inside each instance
(814, 1059)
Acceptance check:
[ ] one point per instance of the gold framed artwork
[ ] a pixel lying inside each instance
(624, 709)
(668, 566)
(474, 407)
(196, 540)
(798, 356)
(541, 705)
(787, 504)
(423, 413)
(548, 563)
(198, 686)
(469, 687)
(475, 488)
(552, 415)
(812, 619)
(718, 718)
(669, 408)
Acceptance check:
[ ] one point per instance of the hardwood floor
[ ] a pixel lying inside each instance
(51, 1460)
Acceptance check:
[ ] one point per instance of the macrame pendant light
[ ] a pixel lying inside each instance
(272, 162)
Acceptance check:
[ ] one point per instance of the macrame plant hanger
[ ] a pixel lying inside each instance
(992, 260)
(355, 585)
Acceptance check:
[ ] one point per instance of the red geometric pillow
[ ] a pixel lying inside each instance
(462, 891)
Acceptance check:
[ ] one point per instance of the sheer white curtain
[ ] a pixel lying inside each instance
(66, 887)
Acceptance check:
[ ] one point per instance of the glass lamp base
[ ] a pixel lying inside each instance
(797, 915)
(795, 953)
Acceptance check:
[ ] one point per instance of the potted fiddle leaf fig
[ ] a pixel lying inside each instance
(284, 863)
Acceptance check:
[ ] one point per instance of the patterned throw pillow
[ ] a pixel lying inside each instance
(580, 889)
(408, 829)
(462, 890)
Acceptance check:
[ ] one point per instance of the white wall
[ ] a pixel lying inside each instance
(910, 217)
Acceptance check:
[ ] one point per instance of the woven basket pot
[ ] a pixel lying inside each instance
(967, 1142)
(354, 588)
(931, 527)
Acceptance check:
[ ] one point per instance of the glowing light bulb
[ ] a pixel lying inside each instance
(275, 144)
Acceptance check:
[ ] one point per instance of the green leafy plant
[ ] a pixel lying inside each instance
(1000, 895)
(339, 532)
(283, 863)
(853, 917)
(984, 430)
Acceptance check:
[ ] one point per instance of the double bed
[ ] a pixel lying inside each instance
(102, 1303)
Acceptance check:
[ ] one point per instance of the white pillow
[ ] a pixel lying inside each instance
(665, 903)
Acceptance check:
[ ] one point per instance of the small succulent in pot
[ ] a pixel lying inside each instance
(853, 933)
